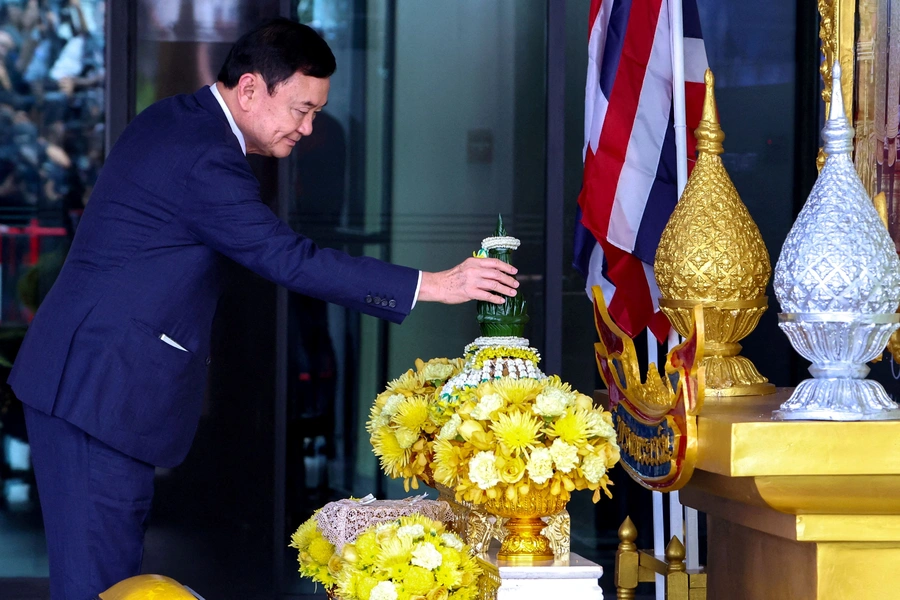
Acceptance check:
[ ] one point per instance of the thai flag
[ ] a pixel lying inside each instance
(630, 182)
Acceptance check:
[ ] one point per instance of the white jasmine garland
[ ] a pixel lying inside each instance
(552, 402)
(565, 456)
(540, 465)
(487, 405)
(483, 470)
(450, 428)
(412, 532)
(452, 541)
(593, 467)
(425, 555)
(385, 590)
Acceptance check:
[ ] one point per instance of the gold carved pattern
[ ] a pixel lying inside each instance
(478, 528)
(524, 542)
(489, 582)
(829, 45)
(864, 123)
(837, 33)
(711, 253)
(559, 532)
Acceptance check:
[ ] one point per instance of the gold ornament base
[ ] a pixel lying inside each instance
(524, 543)
(725, 323)
(733, 375)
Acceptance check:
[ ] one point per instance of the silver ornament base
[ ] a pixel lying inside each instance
(838, 400)
(839, 345)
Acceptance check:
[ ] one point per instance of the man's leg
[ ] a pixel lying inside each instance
(95, 502)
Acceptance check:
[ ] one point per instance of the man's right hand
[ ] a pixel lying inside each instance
(473, 279)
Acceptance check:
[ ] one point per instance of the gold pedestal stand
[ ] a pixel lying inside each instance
(805, 510)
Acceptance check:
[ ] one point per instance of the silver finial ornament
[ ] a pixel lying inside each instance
(838, 283)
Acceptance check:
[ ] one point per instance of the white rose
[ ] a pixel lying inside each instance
(451, 540)
(425, 555)
(406, 437)
(413, 532)
(483, 470)
(565, 456)
(392, 404)
(540, 465)
(593, 467)
(385, 590)
(437, 371)
(552, 402)
(450, 428)
(488, 404)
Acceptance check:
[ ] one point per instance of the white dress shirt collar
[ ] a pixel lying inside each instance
(234, 128)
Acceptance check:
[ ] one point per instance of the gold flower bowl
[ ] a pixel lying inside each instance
(524, 543)
(725, 323)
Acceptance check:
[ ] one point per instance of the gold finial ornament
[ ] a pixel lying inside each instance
(711, 253)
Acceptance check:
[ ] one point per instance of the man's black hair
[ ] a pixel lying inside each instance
(276, 49)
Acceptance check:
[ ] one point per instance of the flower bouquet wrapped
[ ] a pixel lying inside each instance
(321, 539)
(411, 558)
(402, 423)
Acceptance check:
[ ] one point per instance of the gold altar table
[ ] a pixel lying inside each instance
(796, 510)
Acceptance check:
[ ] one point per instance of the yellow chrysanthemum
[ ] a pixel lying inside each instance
(394, 551)
(409, 384)
(367, 549)
(450, 461)
(517, 431)
(431, 527)
(418, 581)
(412, 414)
(517, 391)
(572, 427)
(555, 382)
(394, 458)
(448, 576)
(301, 538)
(364, 587)
(321, 550)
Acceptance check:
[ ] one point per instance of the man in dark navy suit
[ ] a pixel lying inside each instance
(113, 368)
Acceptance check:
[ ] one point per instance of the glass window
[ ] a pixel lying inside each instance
(435, 125)
(51, 149)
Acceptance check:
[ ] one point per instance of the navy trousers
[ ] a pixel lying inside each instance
(95, 501)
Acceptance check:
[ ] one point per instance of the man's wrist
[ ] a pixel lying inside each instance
(418, 287)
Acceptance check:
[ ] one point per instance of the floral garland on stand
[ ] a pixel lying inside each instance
(402, 423)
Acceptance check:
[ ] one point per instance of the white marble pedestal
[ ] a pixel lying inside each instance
(564, 579)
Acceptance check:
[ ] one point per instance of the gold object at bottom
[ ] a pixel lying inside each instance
(805, 510)
(524, 543)
(147, 587)
(726, 323)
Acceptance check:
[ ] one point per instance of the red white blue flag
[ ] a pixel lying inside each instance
(630, 173)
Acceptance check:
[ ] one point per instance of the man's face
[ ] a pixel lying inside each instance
(277, 122)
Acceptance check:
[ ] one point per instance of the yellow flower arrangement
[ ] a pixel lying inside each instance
(518, 435)
(405, 419)
(316, 555)
(410, 558)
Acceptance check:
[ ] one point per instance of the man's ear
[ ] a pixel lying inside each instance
(249, 86)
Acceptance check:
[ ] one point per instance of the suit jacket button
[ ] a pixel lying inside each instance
(384, 302)
(392, 303)
(368, 299)
(377, 299)
(208, 360)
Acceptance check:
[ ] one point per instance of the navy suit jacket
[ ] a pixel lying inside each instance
(175, 195)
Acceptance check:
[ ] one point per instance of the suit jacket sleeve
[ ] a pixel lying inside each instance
(223, 210)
